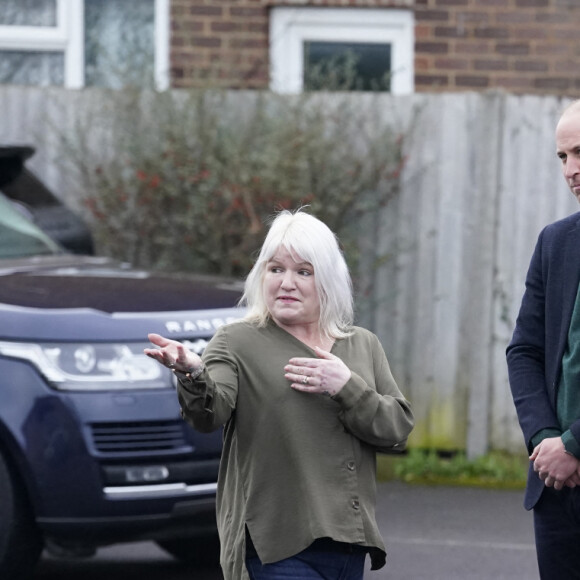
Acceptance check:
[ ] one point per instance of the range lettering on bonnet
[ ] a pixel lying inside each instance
(198, 325)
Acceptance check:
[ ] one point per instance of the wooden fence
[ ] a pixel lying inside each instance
(444, 263)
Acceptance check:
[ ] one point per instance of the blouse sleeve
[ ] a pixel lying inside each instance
(210, 401)
(379, 416)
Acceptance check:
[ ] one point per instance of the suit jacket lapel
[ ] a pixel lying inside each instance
(570, 279)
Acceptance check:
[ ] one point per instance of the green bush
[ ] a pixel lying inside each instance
(187, 180)
(495, 469)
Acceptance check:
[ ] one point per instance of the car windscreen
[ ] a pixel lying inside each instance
(19, 237)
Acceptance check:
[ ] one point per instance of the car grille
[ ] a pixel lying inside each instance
(115, 438)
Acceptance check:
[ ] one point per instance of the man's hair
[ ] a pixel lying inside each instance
(310, 240)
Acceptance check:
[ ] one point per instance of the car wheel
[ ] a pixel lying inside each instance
(204, 551)
(20, 542)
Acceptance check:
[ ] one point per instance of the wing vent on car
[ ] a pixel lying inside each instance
(135, 437)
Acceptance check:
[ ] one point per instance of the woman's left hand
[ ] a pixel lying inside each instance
(326, 374)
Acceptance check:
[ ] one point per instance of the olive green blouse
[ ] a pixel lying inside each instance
(295, 466)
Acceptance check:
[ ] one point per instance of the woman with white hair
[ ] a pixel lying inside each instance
(306, 400)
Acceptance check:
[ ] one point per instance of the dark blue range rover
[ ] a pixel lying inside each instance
(92, 447)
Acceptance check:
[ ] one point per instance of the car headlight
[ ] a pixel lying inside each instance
(94, 366)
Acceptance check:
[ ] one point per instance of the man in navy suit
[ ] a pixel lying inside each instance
(544, 372)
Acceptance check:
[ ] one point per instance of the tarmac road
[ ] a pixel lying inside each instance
(446, 533)
(435, 533)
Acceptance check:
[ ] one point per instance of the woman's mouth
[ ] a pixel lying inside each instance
(287, 299)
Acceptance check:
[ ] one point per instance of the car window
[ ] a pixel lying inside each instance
(19, 237)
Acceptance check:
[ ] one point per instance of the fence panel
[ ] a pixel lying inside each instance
(481, 180)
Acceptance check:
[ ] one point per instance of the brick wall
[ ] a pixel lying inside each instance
(523, 46)
(225, 40)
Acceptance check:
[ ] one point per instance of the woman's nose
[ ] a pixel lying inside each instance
(288, 280)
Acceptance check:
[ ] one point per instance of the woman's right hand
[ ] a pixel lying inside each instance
(172, 354)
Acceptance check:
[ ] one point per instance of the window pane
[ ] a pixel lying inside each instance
(28, 12)
(119, 42)
(347, 66)
(31, 68)
(18, 236)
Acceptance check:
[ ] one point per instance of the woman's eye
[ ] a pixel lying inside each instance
(305, 272)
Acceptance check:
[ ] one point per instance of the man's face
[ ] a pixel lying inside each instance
(568, 148)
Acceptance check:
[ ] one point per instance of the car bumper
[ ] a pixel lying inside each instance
(109, 466)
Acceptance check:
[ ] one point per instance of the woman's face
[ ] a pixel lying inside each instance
(289, 289)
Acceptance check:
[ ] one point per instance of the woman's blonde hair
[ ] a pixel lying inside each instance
(309, 239)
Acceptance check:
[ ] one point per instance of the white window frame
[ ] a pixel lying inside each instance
(291, 27)
(162, 40)
(68, 37)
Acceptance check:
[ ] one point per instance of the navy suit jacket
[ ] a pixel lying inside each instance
(534, 355)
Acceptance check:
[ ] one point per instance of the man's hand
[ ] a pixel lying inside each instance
(553, 465)
(573, 480)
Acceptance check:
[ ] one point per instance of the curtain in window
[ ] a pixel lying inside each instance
(19, 67)
(27, 12)
(119, 43)
(24, 67)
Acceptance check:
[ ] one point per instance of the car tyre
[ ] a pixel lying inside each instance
(203, 551)
(20, 541)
